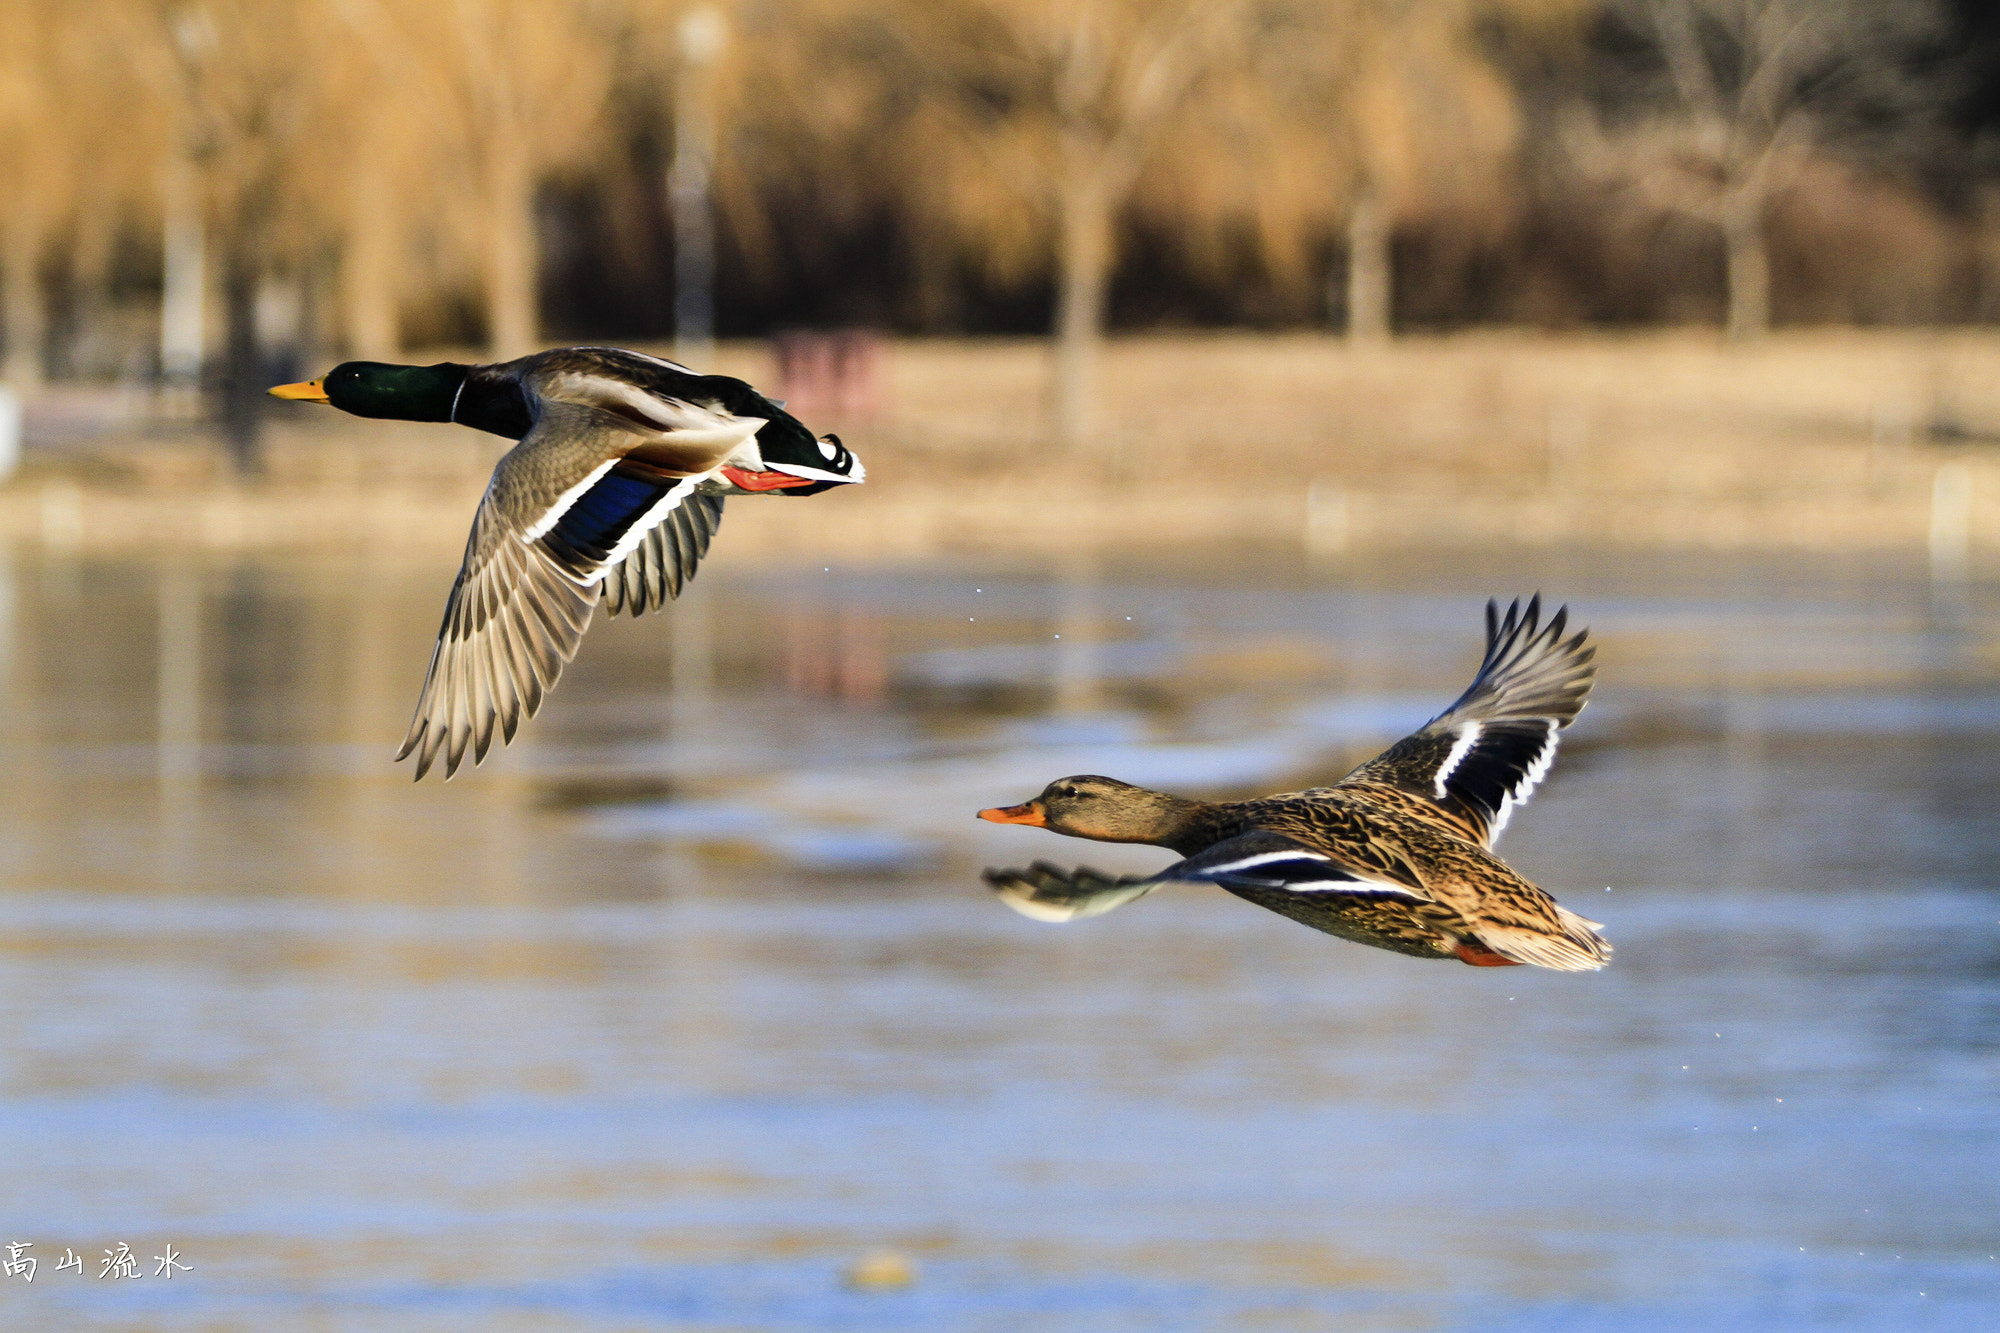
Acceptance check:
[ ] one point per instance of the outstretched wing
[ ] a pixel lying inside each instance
(1256, 865)
(665, 560)
(1484, 755)
(513, 619)
(542, 545)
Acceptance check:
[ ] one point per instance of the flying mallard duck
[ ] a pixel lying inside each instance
(1397, 854)
(613, 492)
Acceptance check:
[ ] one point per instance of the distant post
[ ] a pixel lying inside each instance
(1369, 269)
(184, 242)
(182, 318)
(10, 432)
(689, 187)
(21, 312)
(1951, 523)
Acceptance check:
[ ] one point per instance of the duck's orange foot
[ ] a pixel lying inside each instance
(1478, 955)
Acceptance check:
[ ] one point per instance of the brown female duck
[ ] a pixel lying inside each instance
(1398, 854)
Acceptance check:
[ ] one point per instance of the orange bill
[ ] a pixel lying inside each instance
(1028, 812)
(308, 391)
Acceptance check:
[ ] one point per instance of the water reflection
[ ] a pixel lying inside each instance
(691, 997)
(1077, 678)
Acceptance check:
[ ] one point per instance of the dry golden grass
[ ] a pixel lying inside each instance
(1810, 439)
(1829, 440)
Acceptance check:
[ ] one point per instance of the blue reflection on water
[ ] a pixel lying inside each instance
(521, 1054)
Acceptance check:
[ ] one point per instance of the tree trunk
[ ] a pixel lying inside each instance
(183, 293)
(1749, 271)
(1369, 269)
(513, 257)
(368, 270)
(243, 375)
(23, 319)
(1083, 258)
(690, 199)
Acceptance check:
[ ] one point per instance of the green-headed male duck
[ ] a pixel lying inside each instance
(613, 492)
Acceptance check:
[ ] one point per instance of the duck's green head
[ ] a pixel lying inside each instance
(395, 393)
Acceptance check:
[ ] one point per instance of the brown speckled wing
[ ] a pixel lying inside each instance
(1346, 832)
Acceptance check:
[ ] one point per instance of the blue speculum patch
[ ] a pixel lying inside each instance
(602, 515)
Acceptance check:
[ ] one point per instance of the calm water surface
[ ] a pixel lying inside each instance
(669, 1013)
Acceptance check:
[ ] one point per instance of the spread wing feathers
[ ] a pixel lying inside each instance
(524, 596)
(1485, 755)
(665, 559)
(514, 618)
(1575, 946)
(1049, 893)
(591, 528)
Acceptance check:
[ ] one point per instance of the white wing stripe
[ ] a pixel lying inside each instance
(1531, 777)
(569, 497)
(651, 519)
(1365, 889)
(1261, 859)
(1362, 888)
(1326, 876)
(1468, 737)
(1538, 767)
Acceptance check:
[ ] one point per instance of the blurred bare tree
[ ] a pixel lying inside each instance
(1247, 128)
(526, 83)
(65, 98)
(454, 115)
(843, 115)
(385, 91)
(1743, 94)
(702, 36)
(1064, 104)
(32, 162)
(934, 163)
(243, 107)
(1399, 117)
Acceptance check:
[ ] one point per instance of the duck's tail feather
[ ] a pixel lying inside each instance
(1578, 948)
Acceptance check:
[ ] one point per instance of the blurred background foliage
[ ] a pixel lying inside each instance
(238, 182)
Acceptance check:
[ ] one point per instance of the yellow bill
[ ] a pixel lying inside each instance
(310, 391)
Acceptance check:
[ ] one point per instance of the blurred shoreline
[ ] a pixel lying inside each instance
(1837, 440)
